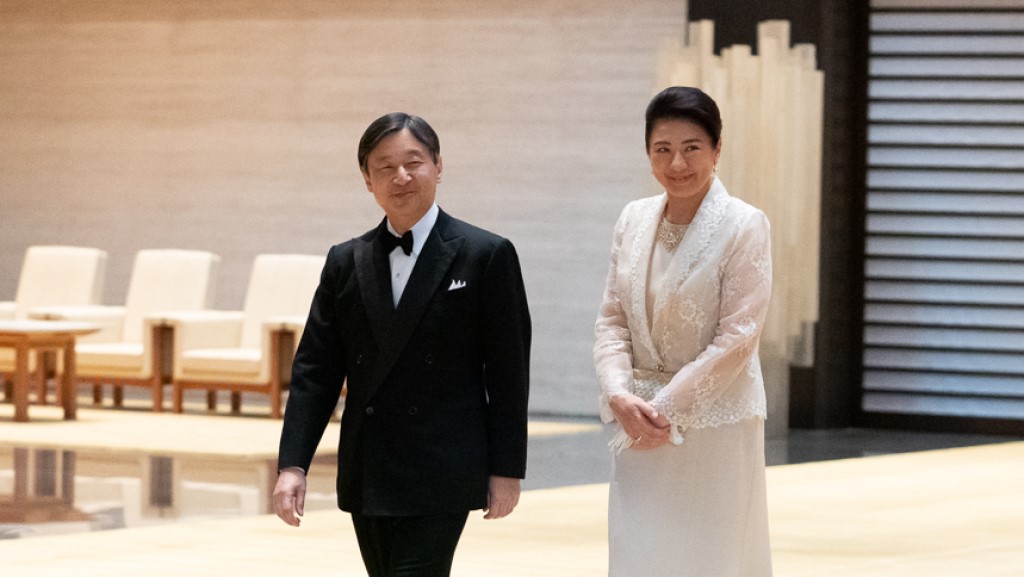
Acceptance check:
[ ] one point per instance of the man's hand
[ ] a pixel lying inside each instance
(290, 495)
(502, 497)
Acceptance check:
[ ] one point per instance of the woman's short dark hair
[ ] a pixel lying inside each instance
(684, 103)
(389, 124)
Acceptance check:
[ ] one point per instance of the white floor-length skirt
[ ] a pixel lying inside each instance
(698, 509)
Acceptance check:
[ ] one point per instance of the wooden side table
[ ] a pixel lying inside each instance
(26, 336)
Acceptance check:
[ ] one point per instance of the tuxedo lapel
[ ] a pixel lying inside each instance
(374, 275)
(431, 266)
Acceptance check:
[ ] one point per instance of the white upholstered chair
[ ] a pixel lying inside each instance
(133, 348)
(53, 276)
(248, 350)
(57, 276)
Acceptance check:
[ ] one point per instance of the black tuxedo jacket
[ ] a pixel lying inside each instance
(437, 388)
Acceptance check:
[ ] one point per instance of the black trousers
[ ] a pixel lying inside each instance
(409, 546)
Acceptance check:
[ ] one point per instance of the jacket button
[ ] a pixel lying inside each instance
(429, 359)
(369, 410)
(413, 410)
(359, 360)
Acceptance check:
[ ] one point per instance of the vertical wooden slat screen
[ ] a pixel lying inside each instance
(944, 262)
(772, 109)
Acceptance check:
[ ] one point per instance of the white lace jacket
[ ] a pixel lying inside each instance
(697, 361)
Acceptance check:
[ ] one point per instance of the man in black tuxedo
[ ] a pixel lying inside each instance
(425, 318)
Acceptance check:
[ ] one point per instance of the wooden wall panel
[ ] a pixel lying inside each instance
(231, 125)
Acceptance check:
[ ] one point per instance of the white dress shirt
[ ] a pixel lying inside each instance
(401, 263)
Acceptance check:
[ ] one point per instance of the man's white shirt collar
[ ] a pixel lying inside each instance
(421, 229)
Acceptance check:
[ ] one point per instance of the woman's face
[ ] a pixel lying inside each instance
(683, 158)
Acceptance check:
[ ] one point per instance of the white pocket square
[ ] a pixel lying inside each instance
(456, 285)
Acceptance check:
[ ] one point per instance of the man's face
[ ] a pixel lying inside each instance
(403, 178)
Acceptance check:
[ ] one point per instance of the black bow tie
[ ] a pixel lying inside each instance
(390, 241)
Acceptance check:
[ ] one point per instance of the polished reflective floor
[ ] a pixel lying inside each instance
(582, 458)
(45, 490)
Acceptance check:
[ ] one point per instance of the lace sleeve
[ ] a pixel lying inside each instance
(613, 346)
(689, 398)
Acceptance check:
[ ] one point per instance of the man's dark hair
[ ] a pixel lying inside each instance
(396, 122)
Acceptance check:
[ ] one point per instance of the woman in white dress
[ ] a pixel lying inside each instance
(676, 358)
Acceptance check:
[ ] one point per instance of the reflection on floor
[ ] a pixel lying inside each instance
(132, 468)
(50, 492)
